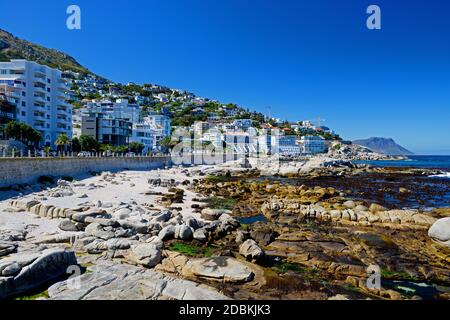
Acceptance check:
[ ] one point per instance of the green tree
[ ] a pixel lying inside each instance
(62, 142)
(136, 147)
(76, 146)
(166, 142)
(88, 143)
(23, 133)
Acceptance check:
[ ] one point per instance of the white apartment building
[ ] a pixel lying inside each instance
(40, 95)
(312, 145)
(121, 109)
(287, 145)
(151, 131)
(143, 132)
(160, 122)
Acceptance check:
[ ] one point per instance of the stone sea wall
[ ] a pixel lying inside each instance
(28, 170)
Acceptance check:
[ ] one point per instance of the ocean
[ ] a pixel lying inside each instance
(427, 162)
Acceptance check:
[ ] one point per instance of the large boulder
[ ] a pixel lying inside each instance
(184, 232)
(201, 235)
(213, 214)
(67, 225)
(95, 213)
(251, 251)
(96, 230)
(49, 265)
(440, 231)
(146, 254)
(167, 233)
(7, 248)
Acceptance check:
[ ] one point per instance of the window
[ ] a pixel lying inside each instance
(3, 71)
(48, 89)
(48, 99)
(23, 113)
(24, 94)
(24, 104)
(49, 81)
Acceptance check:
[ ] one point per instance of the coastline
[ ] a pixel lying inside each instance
(178, 223)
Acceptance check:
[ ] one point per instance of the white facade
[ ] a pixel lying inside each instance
(144, 133)
(40, 94)
(160, 128)
(120, 109)
(287, 145)
(312, 145)
(243, 124)
(160, 122)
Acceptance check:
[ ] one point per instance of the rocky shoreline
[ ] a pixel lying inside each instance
(217, 232)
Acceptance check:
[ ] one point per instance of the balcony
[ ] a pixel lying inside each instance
(39, 125)
(40, 116)
(39, 99)
(39, 89)
(40, 70)
(40, 76)
(40, 107)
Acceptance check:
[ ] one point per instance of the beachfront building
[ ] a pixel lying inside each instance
(7, 113)
(39, 94)
(143, 132)
(106, 129)
(120, 109)
(312, 145)
(287, 145)
(161, 128)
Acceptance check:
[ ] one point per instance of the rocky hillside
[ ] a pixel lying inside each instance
(385, 146)
(12, 47)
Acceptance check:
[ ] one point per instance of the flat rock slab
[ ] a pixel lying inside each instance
(109, 281)
(224, 269)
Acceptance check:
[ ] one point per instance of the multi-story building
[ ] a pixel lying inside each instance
(287, 145)
(121, 109)
(7, 113)
(161, 126)
(143, 132)
(106, 129)
(243, 124)
(312, 145)
(40, 95)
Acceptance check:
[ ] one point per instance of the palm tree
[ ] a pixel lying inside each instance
(62, 141)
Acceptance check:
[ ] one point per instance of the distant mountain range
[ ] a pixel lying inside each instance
(12, 47)
(385, 146)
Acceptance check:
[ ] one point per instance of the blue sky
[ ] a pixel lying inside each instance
(303, 58)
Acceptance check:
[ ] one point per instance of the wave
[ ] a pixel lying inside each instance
(444, 175)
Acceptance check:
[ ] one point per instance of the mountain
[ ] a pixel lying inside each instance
(12, 47)
(386, 146)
